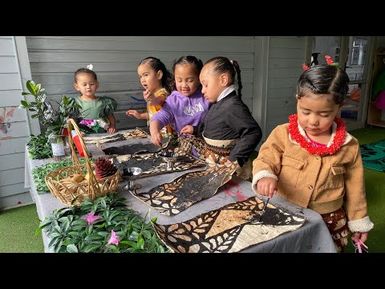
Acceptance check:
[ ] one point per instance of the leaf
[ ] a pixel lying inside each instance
(72, 249)
(91, 248)
(140, 243)
(37, 88)
(31, 86)
(24, 104)
(104, 234)
(53, 242)
(154, 219)
(55, 234)
(45, 223)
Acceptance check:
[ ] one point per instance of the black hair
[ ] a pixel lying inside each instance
(85, 70)
(189, 59)
(155, 63)
(224, 65)
(324, 79)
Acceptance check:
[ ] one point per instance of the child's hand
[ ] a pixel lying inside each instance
(133, 112)
(111, 129)
(360, 236)
(267, 186)
(147, 95)
(188, 129)
(156, 138)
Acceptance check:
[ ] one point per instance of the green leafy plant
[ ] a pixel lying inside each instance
(39, 147)
(52, 119)
(101, 226)
(40, 172)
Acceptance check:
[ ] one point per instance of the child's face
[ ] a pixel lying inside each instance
(316, 113)
(149, 78)
(86, 84)
(212, 85)
(186, 79)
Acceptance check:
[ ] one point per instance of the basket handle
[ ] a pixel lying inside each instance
(75, 160)
(73, 126)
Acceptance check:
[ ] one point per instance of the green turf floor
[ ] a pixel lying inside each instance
(18, 226)
(17, 230)
(375, 193)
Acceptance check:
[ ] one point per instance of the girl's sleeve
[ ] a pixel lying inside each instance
(356, 204)
(109, 106)
(161, 94)
(268, 162)
(240, 119)
(164, 116)
(198, 129)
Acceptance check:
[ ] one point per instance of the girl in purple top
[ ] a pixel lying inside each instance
(184, 108)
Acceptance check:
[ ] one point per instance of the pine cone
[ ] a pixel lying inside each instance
(104, 168)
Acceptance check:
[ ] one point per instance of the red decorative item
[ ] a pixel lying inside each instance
(329, 59)
(305, 66)
(76, 140)
(338, 140)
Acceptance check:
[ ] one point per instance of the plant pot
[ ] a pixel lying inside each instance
(57, 146)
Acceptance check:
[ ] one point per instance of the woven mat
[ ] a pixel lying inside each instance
(373, 155)
(154, 164)
(174, 197)
(230, 229)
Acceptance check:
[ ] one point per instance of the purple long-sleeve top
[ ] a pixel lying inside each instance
(180, 110)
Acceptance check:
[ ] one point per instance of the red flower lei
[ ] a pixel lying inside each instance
(338, 140)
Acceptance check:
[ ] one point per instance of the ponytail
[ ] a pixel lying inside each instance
(238, 76)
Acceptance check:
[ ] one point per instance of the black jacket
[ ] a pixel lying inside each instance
(230, 118)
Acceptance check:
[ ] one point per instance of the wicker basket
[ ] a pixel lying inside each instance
(73, 184)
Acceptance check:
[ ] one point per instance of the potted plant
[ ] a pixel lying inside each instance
(52, 119)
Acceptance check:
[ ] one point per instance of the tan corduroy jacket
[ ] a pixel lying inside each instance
(323, 184)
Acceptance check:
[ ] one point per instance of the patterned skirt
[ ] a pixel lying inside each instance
(337, 224)
(217, 151)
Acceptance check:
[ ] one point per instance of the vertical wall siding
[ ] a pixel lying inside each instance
(286, 55)
(13, 128)
(115, 59)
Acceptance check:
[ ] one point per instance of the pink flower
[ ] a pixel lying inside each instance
(114, 239)
(88, 122)
(91, 218)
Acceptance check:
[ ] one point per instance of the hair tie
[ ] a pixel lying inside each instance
(329, 59)
(305, 66)
(90, 67)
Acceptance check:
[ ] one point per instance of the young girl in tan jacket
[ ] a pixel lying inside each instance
(314, 162)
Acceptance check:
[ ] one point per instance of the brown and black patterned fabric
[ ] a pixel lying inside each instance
(119, 136)
(232, 228)
(338, 227)
(154, 164)
(199, 148)
(138, 148)
(176, 196)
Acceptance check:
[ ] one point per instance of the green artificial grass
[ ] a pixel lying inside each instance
(375, 193)
(17, 231)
